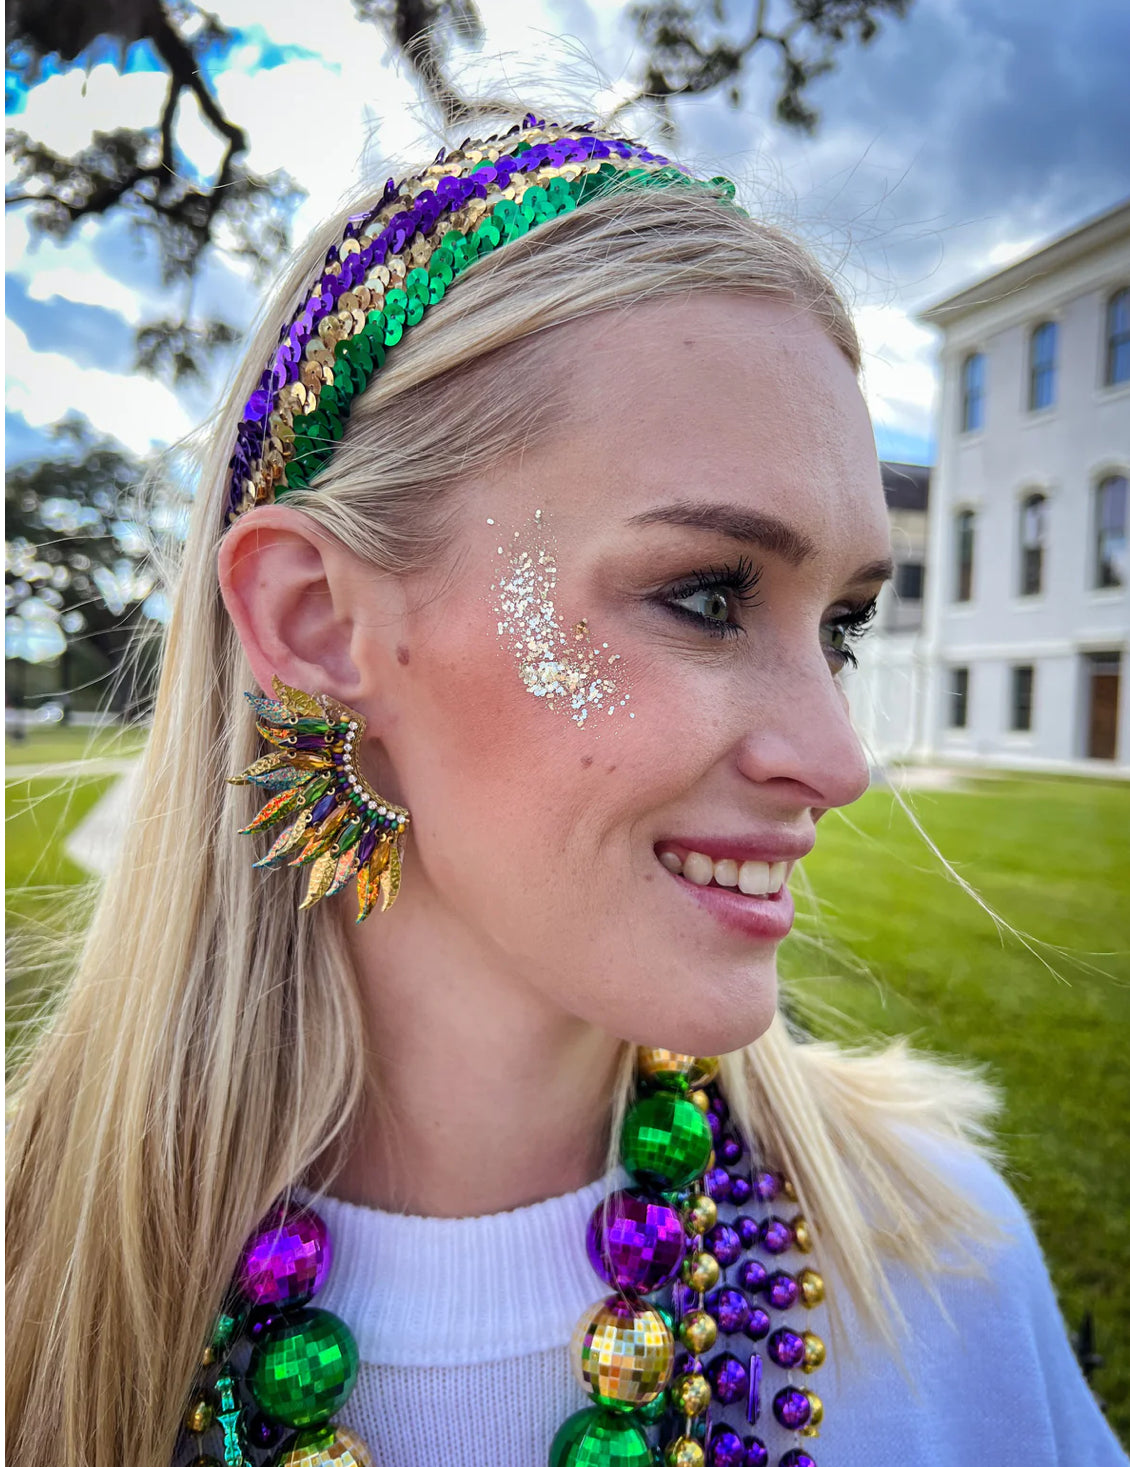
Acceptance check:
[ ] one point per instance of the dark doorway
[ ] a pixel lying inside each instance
(1102, 721)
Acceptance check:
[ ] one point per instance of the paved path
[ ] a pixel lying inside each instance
(93, 843)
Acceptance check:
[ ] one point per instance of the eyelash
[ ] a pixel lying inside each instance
(739, 580)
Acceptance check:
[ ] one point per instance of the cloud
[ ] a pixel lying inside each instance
(42, 387)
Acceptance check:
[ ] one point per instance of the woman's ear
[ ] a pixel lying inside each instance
(285, 583)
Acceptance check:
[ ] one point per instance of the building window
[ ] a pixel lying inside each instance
(973, 392)
(1118, 337)
(1032, 530)
(908, 580)
(1041, 366)
(959, 697)
(1110, 531)
(963, 556)
(1022, 679)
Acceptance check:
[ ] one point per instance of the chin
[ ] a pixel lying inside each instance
(719, 1018)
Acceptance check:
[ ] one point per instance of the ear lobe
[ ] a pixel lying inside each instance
(277, 574)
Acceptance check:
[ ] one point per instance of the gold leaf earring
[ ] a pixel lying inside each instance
(340, 826)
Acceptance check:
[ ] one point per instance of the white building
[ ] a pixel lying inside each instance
(1026, 627)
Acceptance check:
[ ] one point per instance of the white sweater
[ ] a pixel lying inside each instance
(463, 1329)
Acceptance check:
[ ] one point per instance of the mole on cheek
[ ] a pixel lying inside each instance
(586, 760)
(402, 655)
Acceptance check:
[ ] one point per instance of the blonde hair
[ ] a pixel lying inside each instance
(211, 1047)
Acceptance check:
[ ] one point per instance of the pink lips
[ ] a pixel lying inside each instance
(756, 918)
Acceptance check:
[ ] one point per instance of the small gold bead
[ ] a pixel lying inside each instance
(701, 1214)
(684, 1452)
(209, 1356)
(691, 1394)
(701, 1100)
(811, 1287)
(199, 1416)
(815, 1352)
(698, 1331)
(787, 1189)
(801, 1234)
(700, 1272)
(812, 1427)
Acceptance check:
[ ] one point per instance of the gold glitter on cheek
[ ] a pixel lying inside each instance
(571, 678)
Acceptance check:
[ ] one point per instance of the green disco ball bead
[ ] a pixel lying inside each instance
(654, 1410)
(304, 1370)
(596, 1438)
(666, 1141)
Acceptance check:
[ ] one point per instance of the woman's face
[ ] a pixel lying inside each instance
(616, 713)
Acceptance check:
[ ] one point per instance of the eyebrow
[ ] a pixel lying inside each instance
(773, 535)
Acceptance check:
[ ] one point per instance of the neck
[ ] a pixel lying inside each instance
(484, 1095)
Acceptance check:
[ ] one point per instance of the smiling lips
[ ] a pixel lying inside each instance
(754, 878)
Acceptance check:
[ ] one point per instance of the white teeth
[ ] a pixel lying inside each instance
(726, 873)
(698, 868)
(753, 878)
(672, 862)
(777, 875)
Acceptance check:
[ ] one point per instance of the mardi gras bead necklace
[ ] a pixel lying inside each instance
(688, 1265)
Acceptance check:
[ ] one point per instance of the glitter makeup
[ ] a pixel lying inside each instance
(563, 666)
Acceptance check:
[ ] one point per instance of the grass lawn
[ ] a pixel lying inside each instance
(1051, 857)
(59, 743)
(917, 957)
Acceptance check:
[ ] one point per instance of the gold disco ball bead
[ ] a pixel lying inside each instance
(700, 1272)
(670, 1071)
(333, 1447)
(802, 1234)
(199, 1416)
(812, 1427)
(622, 1352)
(701, 1214)
(691, 1394)
(700, 1099)
(814, 1352)
(684, 1452)
(811, 1287)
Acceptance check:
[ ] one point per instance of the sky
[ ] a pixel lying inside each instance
(962, 138)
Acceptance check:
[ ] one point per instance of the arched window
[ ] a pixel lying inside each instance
(963, 556)
(1033, 529)
(1118, 337)
(1042, 348)
(1110, 531)
(973, 392)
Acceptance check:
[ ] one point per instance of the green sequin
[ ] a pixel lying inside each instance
(666, 1141)
(595, 1438)
(305, 1369)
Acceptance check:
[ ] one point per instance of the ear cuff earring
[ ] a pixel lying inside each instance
(339, 826)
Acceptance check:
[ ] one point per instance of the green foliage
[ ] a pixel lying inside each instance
(1050, 857)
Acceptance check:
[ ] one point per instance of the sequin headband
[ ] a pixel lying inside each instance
(397, 259)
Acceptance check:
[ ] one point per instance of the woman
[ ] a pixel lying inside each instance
(552, 515)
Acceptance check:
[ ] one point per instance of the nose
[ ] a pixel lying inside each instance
(801, 740)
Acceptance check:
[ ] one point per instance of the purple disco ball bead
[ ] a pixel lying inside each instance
(730, 1150)
(741, 1190)
(756, 1452)
(797, 1458)
(753, 1276)
(684, 1299)
(786, 1348)
(635, 1244)
(758, 1324)
(748, 1230)
(286, 1259)
(724, 1243)
(719, 1106)
(730, 1308)
(728, 1377)
(767, 1186)
(776, 1235)
(726, 1449)
(716, 1183)
(791, 1408)
(782, 1290)
(715, 1125)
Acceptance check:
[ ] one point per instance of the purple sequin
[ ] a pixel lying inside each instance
(730, 1308)
(366, 846)
(634, 1243)
(759, 1324)
(791, 1408)
(728, 1377)
(286, 1259)
(776, 1235)
(753, 1396)
(724, 1243)
(752, 1275)
(782, 1290)
(786, 1348)
(726, 1449)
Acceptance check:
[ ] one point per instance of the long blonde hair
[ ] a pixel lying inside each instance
(211, 1046)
